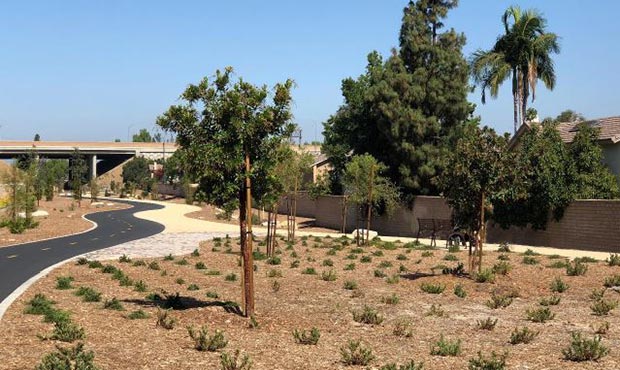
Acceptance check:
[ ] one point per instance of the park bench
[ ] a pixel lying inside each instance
(434, 227)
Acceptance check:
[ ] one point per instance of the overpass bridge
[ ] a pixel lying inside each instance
(101, 156)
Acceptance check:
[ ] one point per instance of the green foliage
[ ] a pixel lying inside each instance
(523, 335)
(231, 277)
(485, 276)
(350, 285)
(355, 354)
(391, 299)
(602, 307)
(577, 268)
(558, 285)
(432, 288)
(435, 310)
(411, 365)
(402, 327)
(486, 324)
(493, 362)
(367, 315)
(614, 259)
(499, 301)
(446, 347)
(459, 291)
(38, 305)
(529, 260)
(233, 362)
(349, 267)
(113, 304)
(74, 358)
(541, 314)
(612, 281)
(88, 294)
(310, 337)
(136, 173)
(502, 268)
(309, 271)
(554, 300)
(66, 331)
(583, 349)
(138, 315)
(205, 342)
(78, 170)
(64, 282)
(165, 320)
(403, 110)
(193, 287)
(143, 136)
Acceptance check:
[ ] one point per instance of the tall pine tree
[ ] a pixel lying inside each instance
(403, 110)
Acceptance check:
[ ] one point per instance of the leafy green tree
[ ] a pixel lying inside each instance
(593, 180)
(522, 54)
(402, 111)
(290, 173)
(569, 116)
(366, 187)
(94, 190)
(228, 131)
(143, 136)
(78, 170)
(531, 114)
(37, 137)
(136, 173)
(55, 172)
(477, 174)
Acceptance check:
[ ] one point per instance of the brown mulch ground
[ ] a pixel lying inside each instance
(209, 213)
(63, 219)
(304, 301)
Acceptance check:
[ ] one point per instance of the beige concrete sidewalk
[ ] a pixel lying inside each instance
(172, 216)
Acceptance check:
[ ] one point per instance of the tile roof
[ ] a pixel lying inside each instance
(609, 126)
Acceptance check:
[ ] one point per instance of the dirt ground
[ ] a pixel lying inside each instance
(63, 219)
(303, 301)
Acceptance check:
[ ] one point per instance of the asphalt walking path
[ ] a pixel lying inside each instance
(21, 262)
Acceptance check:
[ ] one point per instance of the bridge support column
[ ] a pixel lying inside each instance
(93, 166)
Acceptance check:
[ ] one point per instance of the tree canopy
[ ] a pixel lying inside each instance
(143, 136)
(403, 110)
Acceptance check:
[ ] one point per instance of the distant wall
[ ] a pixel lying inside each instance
(306, 207)
(587, 225)
(174, 190)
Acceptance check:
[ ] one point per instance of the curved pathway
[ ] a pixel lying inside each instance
(21, 262)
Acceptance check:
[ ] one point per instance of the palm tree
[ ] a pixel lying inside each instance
(522, 53)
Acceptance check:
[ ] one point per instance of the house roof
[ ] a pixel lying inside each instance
(609, 129)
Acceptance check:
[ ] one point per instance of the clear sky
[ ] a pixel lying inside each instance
(96, 70)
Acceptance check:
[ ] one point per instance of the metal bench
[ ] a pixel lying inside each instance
(434, 226)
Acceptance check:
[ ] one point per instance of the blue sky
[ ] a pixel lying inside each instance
(96, 70)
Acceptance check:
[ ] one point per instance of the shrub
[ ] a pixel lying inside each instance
(504, 248)
(349, 267)
(494, 362)
(612, 281)
(380, 273)
(309, 271)
(328, 262)
(193, 287)
(435, 310)
(212, 294)
(576, 268)
(74, 358)
(391, 299)
(427, 254)
(559, 265)
(367, 315)
(182, 262)
(275, 260)
(503, 257)
(487, 324)
(597, 293)
(66, 331)
(200, 266)
(394, 279)
(173, 301)
(485, 276)
(585, 259)
(385, 264)
(499, 301)
(253, 323)
(39, 305)
(459, 270)
(213, 273)
(275, 286)
(450, 257)
(402, 268)
(81, 261)
(445, 347)
(328, 275)
(165, 320)
(432, 288)
(169, 258)
(205, 342)
(138, 315)
(309, 337)
(529, 260)
(411, 365)
(295, 264)
(88, 294)
(366, 259)
(350, 285)
(583, 349)
(64, 282)
(113, 304)
(232, 362)
(196, 253)
(601, 328)
(454, 248)
(231, 277)
(502, 268)
(138, 263)
(356, 354)
(541, 314)
(95, 265)
(558, 285)
(109, 269)
(402, 327)
(613, 260)
(378, 253)
(140, 286)
(272, 273)
(180, 281)
(55, 316)
(331, 252)
(523, 335)
(125, 281)
(530, 252)
(459, 291)
(124, 259)
(554, 300)
(602, 307)
(154, 265)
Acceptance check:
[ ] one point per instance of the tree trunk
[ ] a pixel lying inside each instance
(515, 100)
(481, 232)
(294, 225)
(369, 214)
(344, 214)
(245, 228)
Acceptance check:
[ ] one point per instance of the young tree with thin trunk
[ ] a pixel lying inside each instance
(78, 169)
(228, 130)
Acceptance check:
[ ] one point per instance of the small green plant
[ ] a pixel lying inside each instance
(307, 337)
(139, 286)
(444, 347)
(487, 324)
(586, 259)
(138, 263)
(153, 265)
(367, 315)
(366, 259)
(169, 258)
(88, 294)
(523, 335)
(485, 276)
(402, 327)
(577, 268)
(55, 315)
(558, 285)
(583, 349)
(95, 265)
(329, 275)
(213, 273)
(432, 288)
(81, 261)
(530, 252)
(529, 260)
(612, 281)
(503, 257)
(601, 328)
(138, 315)
(454, 248)
(193, 287)
(182, 262)
(499, 301)
(558, 265)
(613, 260)
(378, 253)
(275, 260)
(180, 281)
(427, 254)
(309, 271)
(213, 295)
(328, 263)
(113, 304)
(200, 265)
(355, 354)
(459, 291)
(450, 257)
(64, 282)
(541, 314)
(295, 264)
(205, 342)
(502, 268)
(391, 299)
(394, 279)
(349, 267)
(66, 331)
(380, 273)
(459, 270)
(350, 285)
(231, 277)
(602, 307)
(165, 320)
(554, 300)
(124, 259)
(233, 362)
(68, 359)
(597, 294)
(504, 248)
(196, 253)
(436, 310)
(273, 273)
(493, 362)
